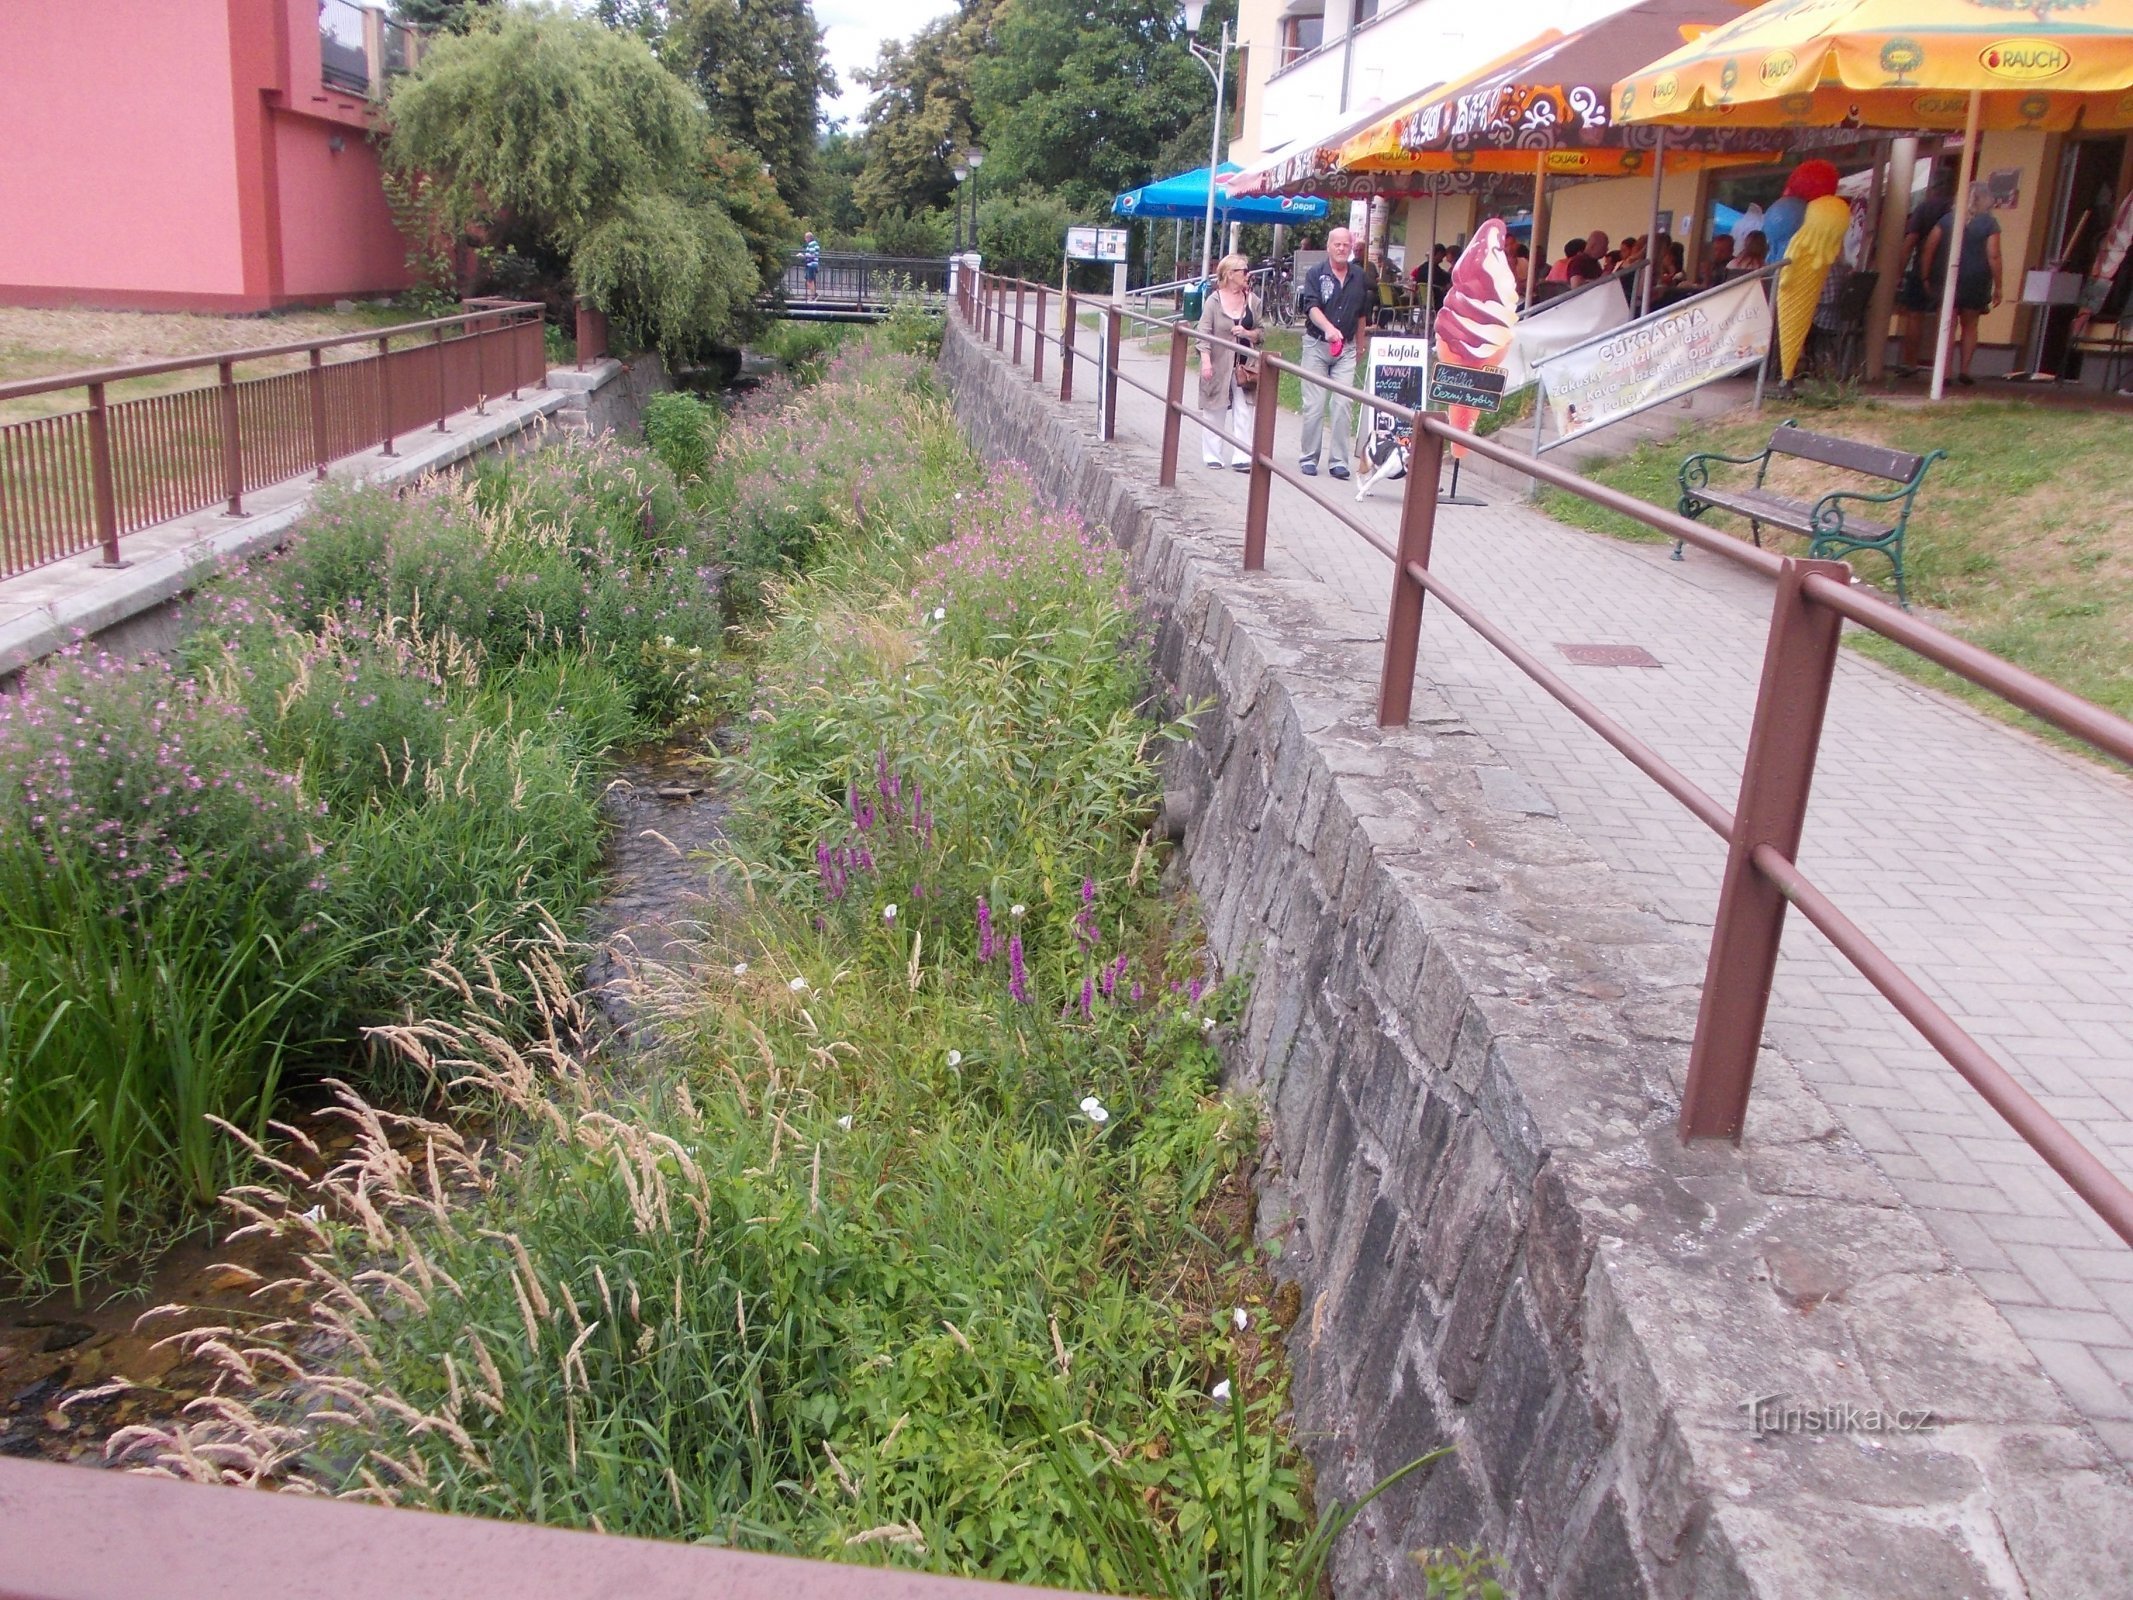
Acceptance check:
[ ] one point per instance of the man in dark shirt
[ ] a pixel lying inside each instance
(1334, 299)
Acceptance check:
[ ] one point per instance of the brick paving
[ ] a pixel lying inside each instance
(1994, 867)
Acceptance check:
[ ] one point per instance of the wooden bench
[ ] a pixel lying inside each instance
(1832, 529)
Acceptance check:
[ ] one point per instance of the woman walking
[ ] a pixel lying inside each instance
(1229, 383)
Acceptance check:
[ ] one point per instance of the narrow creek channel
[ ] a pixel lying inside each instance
(73, 1375)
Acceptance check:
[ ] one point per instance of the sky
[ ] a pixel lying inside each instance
(856, 30)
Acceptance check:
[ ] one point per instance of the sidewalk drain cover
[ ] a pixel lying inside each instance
(1609, 655)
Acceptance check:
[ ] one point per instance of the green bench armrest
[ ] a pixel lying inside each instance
(1828, 514)
(1695, 473)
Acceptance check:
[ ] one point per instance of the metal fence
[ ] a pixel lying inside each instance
(1812, 600)
(867, 282)
(80, 480)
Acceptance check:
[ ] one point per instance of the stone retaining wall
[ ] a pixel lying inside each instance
(1471, 1039)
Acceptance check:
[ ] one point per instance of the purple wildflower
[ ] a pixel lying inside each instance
(987, 944)
(1088, 999)
(1017, 974)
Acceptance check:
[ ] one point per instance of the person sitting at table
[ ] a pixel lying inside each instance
(1560, 272)
(1754, 255)
(1720, 260)
(1584, 270)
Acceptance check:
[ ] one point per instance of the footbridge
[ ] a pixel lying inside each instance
(856, 288)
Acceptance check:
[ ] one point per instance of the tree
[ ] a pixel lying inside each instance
(920, 115)
(441, 16)
(543, 126)
(1085, 96)
(833, 207)
(760, 67)
(645, 18)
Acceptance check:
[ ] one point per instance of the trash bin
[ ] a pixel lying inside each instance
(1195, 297)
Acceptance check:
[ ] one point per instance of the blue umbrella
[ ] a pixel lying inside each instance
(1185, 196)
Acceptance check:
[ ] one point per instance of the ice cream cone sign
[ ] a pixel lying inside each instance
(1478, 317)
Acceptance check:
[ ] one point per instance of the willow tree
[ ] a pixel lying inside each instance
(549, 124)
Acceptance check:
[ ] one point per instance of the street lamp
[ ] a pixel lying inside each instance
(1217, 64)
(975, 156)
(962, 171)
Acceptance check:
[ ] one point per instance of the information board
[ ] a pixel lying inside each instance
(1479, 388)
(1096, 244)
(1666, 354)
(1398, 370)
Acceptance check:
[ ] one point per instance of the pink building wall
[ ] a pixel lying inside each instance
(179, 154)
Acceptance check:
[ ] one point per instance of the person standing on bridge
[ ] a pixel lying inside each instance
(1334, 299)
(811, 261)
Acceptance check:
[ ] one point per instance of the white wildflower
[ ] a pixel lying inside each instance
(740, 969)
(316, 1214)
(940, 613)
(1090, 1105)
(1220, 1392)
(888, 912)
(1018, 910)
(798, 986)
(1207, 1024)
(955, 1058)
(845, 1122)
(1240, 1319)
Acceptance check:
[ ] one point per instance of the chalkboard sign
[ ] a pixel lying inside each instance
(1397, 367)
(1478, 387)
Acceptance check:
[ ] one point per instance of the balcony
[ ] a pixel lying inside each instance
(361, 50)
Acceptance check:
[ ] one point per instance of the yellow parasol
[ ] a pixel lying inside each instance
(1908, 64)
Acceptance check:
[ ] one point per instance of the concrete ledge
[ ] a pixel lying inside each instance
(1471, 1038)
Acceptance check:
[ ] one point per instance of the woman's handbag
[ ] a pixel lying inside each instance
(1248, 366)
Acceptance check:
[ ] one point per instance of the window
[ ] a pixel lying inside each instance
(1300, 36)
(344, 62)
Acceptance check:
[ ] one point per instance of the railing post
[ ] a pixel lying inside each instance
(1036, 353)
(232, 444)
(481, 369)
(1798, 664)
(518, 332)
(999, 314)
(103, 483)
(1418, 526)
(385, 394)
(318, 412)
(1111, 332)
(444, 403)
(1173, 409)
(1069, 330)
(1018, 322)
(1257, 498)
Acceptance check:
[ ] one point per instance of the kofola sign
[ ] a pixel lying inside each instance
(1654, 359)
(1478, 387)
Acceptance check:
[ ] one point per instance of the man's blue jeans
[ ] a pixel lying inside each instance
(1318, 361)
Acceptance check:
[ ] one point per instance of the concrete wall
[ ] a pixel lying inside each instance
(177, 155)
(1470, 1042)
(118, 129)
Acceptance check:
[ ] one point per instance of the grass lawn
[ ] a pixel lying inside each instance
(2022, 540)
(37, 344)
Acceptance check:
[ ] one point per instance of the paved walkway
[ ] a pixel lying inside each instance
(1995, 868)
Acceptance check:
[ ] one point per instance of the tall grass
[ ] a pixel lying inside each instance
(920, 1237)
(372, 771)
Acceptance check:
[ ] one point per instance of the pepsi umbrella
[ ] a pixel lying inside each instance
(1185, 196)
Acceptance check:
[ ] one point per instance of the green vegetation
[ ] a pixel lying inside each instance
(566, 148)
(2022, 540)
(919, 1236)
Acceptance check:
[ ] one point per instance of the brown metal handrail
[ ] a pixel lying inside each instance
(76, 481)
(1812, 600)
(78, 1534)
(24, 387)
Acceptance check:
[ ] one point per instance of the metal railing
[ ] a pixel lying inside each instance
(79, 480)
(865, 281)
(74, 1533)
(1812, 601)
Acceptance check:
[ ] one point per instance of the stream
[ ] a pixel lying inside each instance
(661, 809)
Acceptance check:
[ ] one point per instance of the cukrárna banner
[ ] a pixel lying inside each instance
(1666, 354)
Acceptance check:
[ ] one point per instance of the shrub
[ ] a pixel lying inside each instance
(681, 431)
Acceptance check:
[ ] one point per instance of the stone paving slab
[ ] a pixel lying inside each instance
(1996, 868)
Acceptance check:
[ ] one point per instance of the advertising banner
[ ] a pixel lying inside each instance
(1666, 354)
